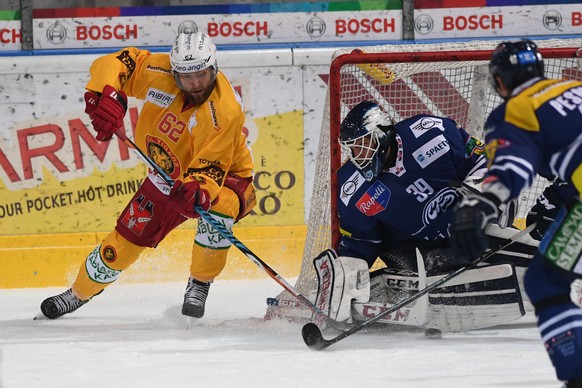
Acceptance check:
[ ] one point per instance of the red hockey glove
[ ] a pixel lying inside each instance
(184, 196)
(106, 111)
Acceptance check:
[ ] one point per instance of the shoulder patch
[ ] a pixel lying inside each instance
(350, 186)
(424, 124)
(474, 146)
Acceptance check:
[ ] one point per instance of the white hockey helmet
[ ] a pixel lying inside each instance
(193, 52)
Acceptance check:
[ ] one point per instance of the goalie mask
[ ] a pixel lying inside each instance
(515, 63)
(365, 136)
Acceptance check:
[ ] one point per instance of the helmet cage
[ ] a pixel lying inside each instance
(362, 150)
(364, 138)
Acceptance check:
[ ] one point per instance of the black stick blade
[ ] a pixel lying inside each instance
(313, 337)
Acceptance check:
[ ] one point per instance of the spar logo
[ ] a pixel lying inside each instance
(374, 200)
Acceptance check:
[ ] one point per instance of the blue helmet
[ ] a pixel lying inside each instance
(365, 135)
(515, 63)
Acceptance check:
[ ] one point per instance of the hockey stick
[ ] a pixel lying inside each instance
(314, 339)
(229, 236)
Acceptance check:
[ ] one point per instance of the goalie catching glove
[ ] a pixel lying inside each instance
(471, 216)
(106, 111)
(184, 196)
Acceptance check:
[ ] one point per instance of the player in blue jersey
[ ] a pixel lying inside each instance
(536, 130)
(396, 195)
(402, 182)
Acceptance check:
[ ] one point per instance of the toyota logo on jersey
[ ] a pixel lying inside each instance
(374, 200)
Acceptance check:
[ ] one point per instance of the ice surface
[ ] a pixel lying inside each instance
(133, 335)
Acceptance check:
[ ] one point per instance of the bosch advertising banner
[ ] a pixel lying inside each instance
(239, 24)
(474, 22)
(56, 178)
(54, 33)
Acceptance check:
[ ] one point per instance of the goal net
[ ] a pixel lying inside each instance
(446, 79)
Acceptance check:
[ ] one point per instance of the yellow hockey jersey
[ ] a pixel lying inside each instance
(202, 143)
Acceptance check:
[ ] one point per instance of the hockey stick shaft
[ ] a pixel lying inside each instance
(228, 235)
(312, 335)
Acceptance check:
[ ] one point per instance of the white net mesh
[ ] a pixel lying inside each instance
(456, 89)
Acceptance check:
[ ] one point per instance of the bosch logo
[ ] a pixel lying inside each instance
(228, 29)
(552, 20)
(315, 27)
(473, 22)
(56, 34)
(365, 26)
(423, 24)
(122, 32)
(187, 27)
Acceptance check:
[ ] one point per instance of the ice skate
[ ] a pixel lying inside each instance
(195, 298)
(59, 305)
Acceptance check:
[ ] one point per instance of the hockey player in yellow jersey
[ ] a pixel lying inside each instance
(191, 126)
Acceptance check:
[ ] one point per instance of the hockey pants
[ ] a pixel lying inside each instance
(145, 222)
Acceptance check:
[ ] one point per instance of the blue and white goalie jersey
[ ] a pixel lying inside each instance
(412, 200)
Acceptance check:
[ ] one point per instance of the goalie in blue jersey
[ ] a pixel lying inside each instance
(536, 130)
(396, 197)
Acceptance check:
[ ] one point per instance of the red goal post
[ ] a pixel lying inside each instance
(445, 79)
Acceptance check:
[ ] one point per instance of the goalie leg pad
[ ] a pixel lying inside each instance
(340, 281)
(482, 297)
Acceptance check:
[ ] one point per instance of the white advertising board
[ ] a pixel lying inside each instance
(224, 29)
(554, 19)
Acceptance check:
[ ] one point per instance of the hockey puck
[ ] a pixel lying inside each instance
(433, 333)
